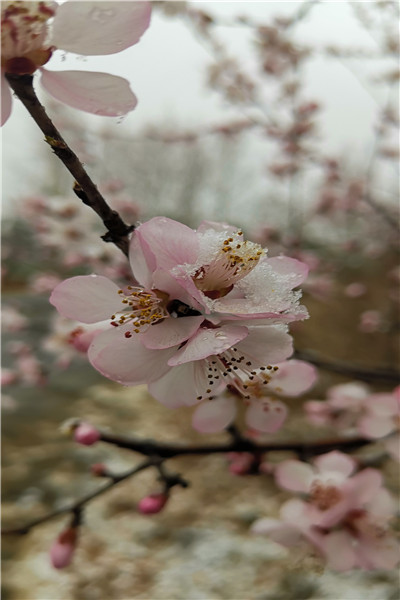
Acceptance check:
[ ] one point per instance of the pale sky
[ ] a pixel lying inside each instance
(167, 70)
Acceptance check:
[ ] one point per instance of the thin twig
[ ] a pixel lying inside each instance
(117, 231)
(76, 507)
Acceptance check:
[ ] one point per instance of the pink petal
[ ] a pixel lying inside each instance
(161, 243)
(364, 486)
(165, 244)
(97, 28)
(374, 427)
(378, 553)
(206, 342)
(266, 345)
(293, 378)
(181, 385)
(164, 281)
(6, 99)
(382, 506)
(292, 269)
(335, 462)
(283, 534)
(294, 475)
(214, 415)
(126, 360)
(266, 415)
(339, 551)
(170, 332)
(86, 298)
(97, 93)
(382, 405)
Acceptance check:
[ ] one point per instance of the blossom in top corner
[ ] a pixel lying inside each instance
(211, 311)
(33, 30)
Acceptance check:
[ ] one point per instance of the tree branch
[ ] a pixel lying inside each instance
(118, 231)
(77, 506)
(163, 450)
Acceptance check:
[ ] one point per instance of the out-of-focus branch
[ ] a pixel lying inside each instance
(118, 231)
(346, 368)
(78, 505)
(238, 444)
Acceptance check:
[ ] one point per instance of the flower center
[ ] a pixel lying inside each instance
(324, 496)
(236, 368)
(234, 260)
(142, 308)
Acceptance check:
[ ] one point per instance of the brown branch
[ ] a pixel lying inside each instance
(163, 450)
(77, 506)
(118, 231)
(345, 368)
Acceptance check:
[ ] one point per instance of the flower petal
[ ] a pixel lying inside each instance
(206, 342)
(164, 244)
(266, 415)
(97, 28)
(339, 550)
(86, 298)
(170, 332)
(181, 385)
(335, 462)
(126, 360)
(214, 415)
(6, 100)
(266, 345)
(293, 377)
(97, 93)
(375, 427)
(294, 271)
(294, 475)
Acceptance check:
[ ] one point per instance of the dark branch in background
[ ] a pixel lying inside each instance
(77, 506)
(346, 368)
(117, 231)
(158, 452)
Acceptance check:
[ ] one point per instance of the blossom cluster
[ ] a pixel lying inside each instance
(344, 516)
(210, 315)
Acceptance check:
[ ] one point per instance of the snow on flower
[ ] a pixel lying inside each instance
(345, 516)
(210, 312)
(32, 31)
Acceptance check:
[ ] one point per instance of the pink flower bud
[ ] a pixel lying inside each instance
(86, 434)
(98, 470)
(242, 464)
(152, 504)
(63, 549)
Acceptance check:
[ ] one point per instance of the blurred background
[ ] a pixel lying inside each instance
(278, 117)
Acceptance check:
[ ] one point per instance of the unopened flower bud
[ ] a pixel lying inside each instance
(242, 464)
(63, 549)
(99, 470)
(86, 434)
(152, 504)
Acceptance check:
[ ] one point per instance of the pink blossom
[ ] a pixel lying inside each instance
(212, 311)
(355, 289)
(345, 516)
(370, 321)
(32, 31)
